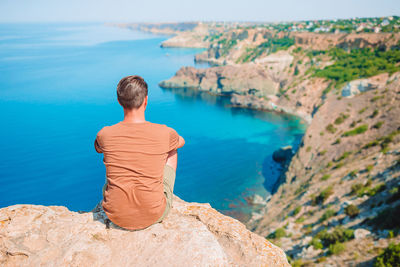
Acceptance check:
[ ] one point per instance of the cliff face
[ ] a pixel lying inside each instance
(341, 192)
(193, 234)
(246, 79)
(346, 40)
(345, 173)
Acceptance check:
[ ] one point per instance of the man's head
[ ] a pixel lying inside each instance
(131, 92)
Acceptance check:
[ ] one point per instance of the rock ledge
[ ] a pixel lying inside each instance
(192, 235)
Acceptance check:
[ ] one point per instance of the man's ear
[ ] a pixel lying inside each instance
(145, 102)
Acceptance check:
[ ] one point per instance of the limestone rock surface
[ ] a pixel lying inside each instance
(192, 235)
(244, 79)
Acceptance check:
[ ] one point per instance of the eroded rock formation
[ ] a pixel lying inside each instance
(246, 79)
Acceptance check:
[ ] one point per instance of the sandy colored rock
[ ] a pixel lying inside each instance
(244, 79)
(192, 235)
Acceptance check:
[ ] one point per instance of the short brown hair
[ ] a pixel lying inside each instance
(131, 91)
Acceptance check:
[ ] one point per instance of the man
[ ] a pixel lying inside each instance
(140, 159)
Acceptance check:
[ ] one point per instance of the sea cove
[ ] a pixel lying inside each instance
(57, 90)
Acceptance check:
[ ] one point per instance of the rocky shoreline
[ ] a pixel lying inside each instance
(248, 85)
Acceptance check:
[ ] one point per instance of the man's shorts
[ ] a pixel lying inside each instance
(169, 182)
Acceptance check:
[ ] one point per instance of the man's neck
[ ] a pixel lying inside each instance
(134, 115)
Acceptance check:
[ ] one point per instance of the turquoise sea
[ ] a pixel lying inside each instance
(57, 90)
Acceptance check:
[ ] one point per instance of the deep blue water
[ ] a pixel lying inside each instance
(57, 90)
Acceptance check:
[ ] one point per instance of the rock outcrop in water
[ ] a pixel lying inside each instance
(192, 235)
(248, 79)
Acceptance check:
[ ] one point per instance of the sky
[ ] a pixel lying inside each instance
(188, 10)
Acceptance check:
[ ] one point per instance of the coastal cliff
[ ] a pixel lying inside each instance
(194, 234)
(248, 79)
(341, 188)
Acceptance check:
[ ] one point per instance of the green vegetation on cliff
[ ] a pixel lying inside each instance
(359, 63)
(271, 46)
(390, 257)
(325, 239)
(359, 130)
(226, 45)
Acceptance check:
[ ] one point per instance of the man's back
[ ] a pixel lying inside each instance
(135, 156)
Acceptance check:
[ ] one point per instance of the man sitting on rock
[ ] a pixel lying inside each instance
(140, 159)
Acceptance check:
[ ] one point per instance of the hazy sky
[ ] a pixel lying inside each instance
(187, 10)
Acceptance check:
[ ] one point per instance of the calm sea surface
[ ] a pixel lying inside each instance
(57, 90)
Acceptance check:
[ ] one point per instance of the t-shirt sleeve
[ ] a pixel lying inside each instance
(98, 144)
(173, 139)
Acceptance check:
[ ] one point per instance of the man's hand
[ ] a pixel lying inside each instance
(97, 147)
(181, 142)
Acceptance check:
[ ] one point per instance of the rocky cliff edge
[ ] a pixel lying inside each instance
(192, 235)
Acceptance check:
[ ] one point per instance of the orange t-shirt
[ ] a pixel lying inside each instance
(135, 155)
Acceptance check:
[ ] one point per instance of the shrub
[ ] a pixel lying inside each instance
(369, 168)
(375, 113)
(316, 243)
(327, 214)
(341, 118)
(339, 234)
(298, 263)
(378, 125)
(339, 165)
(376, 98)
(391, 234)
(362, 190)
(356, 189)
(351, 211)
(371, 144)
(323, 152)
(395, 195)
(330, 128)
(337, 141)
(353, 173)
(377, 189)
(296, 71)
(361, 111)
(300, 219)
(359, 130)
(301, 188)
(297, 50)
(390, 257)
(308, 149)
(325, 177)
(344, 156)
(279, 233)
(336, 248)
(386, 140)
(320, 199)
(296, 210)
